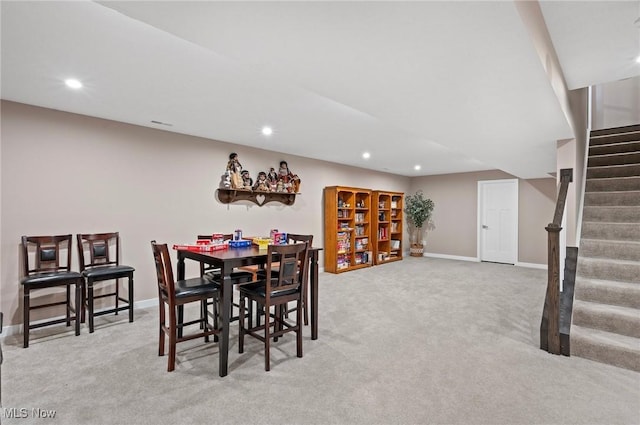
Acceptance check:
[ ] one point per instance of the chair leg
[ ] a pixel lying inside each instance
(83, 312)
(215, 317)
(267, 340)
(305, 303)
(204, 319)
(163, 322)
(117, 295)
(68, 304)
(131, 298)
(180, 319)
(25, 316)
(241, 326)
(172, 341)
(90, 304)
(299, 328)
(78, 306)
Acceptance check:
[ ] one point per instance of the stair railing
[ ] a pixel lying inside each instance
(550, 326)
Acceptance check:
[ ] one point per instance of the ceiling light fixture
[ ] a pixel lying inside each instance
(638, 59)
(417, 167)
(366, 155)
(267, 131)
(73, 83)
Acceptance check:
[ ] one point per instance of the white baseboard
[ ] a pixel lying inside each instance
(451, 257)
(532, 265)
(17, 329)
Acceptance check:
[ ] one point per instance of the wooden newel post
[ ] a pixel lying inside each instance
(553, 289)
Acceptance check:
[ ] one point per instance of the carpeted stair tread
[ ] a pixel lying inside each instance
(603, 132)
(607, 317)
(623, 294)
(613, 171)
(607, 269)
(613, 249)
(605, 347)
(604, 149)
(613, 184)
(614, 159)
(611, 214)
(614, 198)
(610, 231)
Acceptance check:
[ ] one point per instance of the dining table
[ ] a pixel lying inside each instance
(227, 260)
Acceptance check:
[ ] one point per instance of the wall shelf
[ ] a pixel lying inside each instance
(227, 196)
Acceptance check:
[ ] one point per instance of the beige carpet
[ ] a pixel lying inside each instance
(421, 341)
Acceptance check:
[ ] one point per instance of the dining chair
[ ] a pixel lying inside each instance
(295, 238)
(99, 258)
(173, 294)
(276, 292)
(46, 263)
(238, 277)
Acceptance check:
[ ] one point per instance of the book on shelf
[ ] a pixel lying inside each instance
(394, 227)
(361, 243)
(395, 244)
(394, 204)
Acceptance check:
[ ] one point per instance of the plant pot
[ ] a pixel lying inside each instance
(416, 250)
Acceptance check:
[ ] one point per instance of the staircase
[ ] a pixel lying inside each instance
(606, 309)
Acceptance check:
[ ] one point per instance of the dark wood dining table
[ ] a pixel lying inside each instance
(227, 260)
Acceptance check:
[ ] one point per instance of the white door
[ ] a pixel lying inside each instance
(498, 221)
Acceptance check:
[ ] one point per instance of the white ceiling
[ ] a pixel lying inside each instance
(452, 86)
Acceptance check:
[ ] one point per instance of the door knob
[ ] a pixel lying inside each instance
(484, 226)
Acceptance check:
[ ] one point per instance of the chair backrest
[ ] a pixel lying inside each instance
(166, 283)
(41, 254)
(95, 249)
(292, 264)
(295, 238)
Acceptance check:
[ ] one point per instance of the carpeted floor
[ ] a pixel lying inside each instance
(421, 341)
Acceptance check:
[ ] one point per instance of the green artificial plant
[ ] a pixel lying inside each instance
(418, 210)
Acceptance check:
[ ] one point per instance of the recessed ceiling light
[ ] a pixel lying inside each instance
(73, 83)
(417, 167)
(267, 131)
(366, 155)
(638, 59)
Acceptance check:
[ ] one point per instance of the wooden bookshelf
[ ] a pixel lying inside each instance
(347, 229)
(387, 226)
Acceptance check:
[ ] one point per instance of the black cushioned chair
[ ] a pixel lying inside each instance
(46, 264)
(99, 263)
(276, 292)
(173, 295)
(295, 238)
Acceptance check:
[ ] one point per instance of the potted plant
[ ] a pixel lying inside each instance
(418, 210)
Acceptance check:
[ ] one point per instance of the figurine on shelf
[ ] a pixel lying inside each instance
(290, 181)
(234, 168)
(247, 181)
(262, 185)
(225, 180)
(272, 179)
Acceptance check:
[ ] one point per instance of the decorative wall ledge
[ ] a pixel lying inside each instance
(228, 196)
